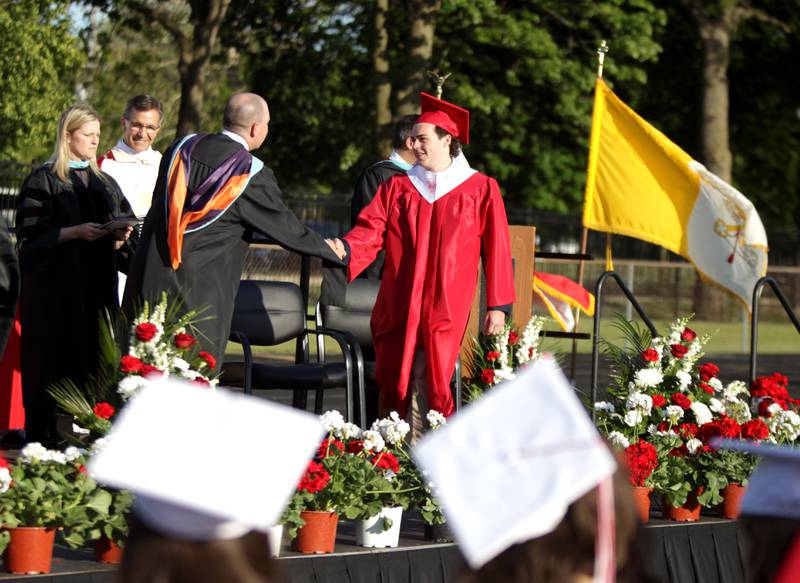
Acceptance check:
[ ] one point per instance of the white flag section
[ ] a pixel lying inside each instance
(726, 240)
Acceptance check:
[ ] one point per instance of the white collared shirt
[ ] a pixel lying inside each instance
(434, 185)
(236, 138)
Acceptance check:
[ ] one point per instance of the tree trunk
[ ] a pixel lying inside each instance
(716, 38)
(383, 84)
(423, 29)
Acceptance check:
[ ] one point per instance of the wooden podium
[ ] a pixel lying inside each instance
(523, 244)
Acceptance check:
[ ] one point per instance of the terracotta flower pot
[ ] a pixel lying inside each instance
(30, 549)
(319, 533)
(107, 551)
(641, 500)
(689, 512)
(731, 505)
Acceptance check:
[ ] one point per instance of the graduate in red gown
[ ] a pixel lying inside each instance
(436, 222)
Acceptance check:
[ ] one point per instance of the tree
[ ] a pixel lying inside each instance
(39, 62)
(417, 54)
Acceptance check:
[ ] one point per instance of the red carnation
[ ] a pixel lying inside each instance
(146, 331)
(708, 371)
(209, 358)
(707, 388)
(650, 355)
(492, 356)
(678, 350)
(387, 461)
(184, 341)
(315, 478)
(149, 370)
(688, 334)
(659, 401)
(130, 364)
(755, 429)
(681, 401)
(103, 410)
(513, 338)
(487, 375)
(641, 460)
(329, 447)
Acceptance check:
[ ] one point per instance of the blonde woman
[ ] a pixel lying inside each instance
(68, 263)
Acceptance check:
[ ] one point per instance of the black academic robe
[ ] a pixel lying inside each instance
(66, 286)
(9, 283)
(213, 257)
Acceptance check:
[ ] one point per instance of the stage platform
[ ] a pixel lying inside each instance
(707, 551)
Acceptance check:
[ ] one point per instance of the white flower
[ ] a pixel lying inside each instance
(640, 402)
(332, 421)
(694, 445)
(604, 407)
(5, 480)
(98, 446)
(392, 428)
(784, 425)
(716, 405)
(701, 413)
(618, 440)
(373, 441)
(131, 385)
(435, 419)
(348, 431)
(673, 413)
(684, 379)
(72, 453)
(716, 384)
(633, 417)
(738, 410)
(33, 452)
(56, 457)
(648, 377)
(180, 364)
(732, 391)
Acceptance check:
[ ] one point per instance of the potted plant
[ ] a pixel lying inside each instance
(641, 459)
(109, 530)
(42, 491)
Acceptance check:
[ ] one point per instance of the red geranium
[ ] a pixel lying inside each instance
(755, 429)
(148, 370)
(663, 426)
(209, 358)
(688, 334)
(386, 461)
(722, 427)
(678, 350)
(146, 331)
(329, 447)
(687, 430)
(130, 364)
(513, 338)
(650, 355)
(184, 341)
(772, 388)
(708, 370)
(763, 408)
(355, 446)
(103, 410)
(487, 375)
(659, 401)
(492, 356)
(681, 401)
(641, 460)
(707, 388)
(315, 478)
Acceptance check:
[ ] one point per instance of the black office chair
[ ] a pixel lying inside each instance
(267, 313)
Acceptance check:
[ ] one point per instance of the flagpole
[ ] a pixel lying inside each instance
(601, 57)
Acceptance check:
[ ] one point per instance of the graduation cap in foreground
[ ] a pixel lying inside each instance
(506, 468)
(190, 484)
(451, 118)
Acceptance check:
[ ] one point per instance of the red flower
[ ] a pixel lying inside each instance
(763, 408)
(780, 379)
(3, 462)
(513, 338)
(315, 478)
(678, 350)
(641, 460)
(650, 355)
(681, 401)
(681, 451)
(755, 429)
(81, 469)
(770, 388)
(209, 358)
(659, 401)
(487, 375)
(355, 446)
(687, 430)
(708, 371)
(663, 426)
(103, 410)
(148, 370)
(386, 461)
(130, 364)
(146, 331)
(491, 356)
(729, 427)
(707, 388)
(329, 447)
(688, 334)
(201, 381)
(184, 341)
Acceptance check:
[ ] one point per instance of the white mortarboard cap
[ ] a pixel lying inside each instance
(207, 464)
(774, 487)
(506, 468)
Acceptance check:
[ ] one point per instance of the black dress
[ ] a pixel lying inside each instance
(66, 286)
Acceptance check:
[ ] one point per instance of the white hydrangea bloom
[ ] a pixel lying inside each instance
(701, 413)
(633, 417)
(684, 379)
(640, 402)
(373, 441)
(131, 385)
(348, 431)
(673, 413)
(604, 407)
(716, 405)
(436, 419)
(694, 445)
(648, 377)
(33, 452)
(332, 421)
(619, 441)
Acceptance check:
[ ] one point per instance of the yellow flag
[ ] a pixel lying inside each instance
(642, 185)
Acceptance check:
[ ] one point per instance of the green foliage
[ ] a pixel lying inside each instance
(736, 467)
(626, 357)
(40, 60)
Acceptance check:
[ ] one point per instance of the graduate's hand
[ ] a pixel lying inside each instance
(123, 234)
(85, 231)
(337, 247)
(494, 322)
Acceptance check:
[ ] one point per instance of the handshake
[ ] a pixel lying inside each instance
(338, 247)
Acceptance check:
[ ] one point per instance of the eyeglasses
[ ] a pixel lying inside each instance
(137, 127)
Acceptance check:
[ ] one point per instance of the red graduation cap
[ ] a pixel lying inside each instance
(451, 118)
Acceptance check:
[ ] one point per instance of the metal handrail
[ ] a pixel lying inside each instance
(787, 307)
(598, 293)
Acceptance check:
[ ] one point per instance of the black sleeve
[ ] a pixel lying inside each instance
(122, 208)
(366, 187)
(9, 283)
(37, 237)
(262, 209)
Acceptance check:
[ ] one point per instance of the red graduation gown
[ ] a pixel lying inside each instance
(430, 276)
